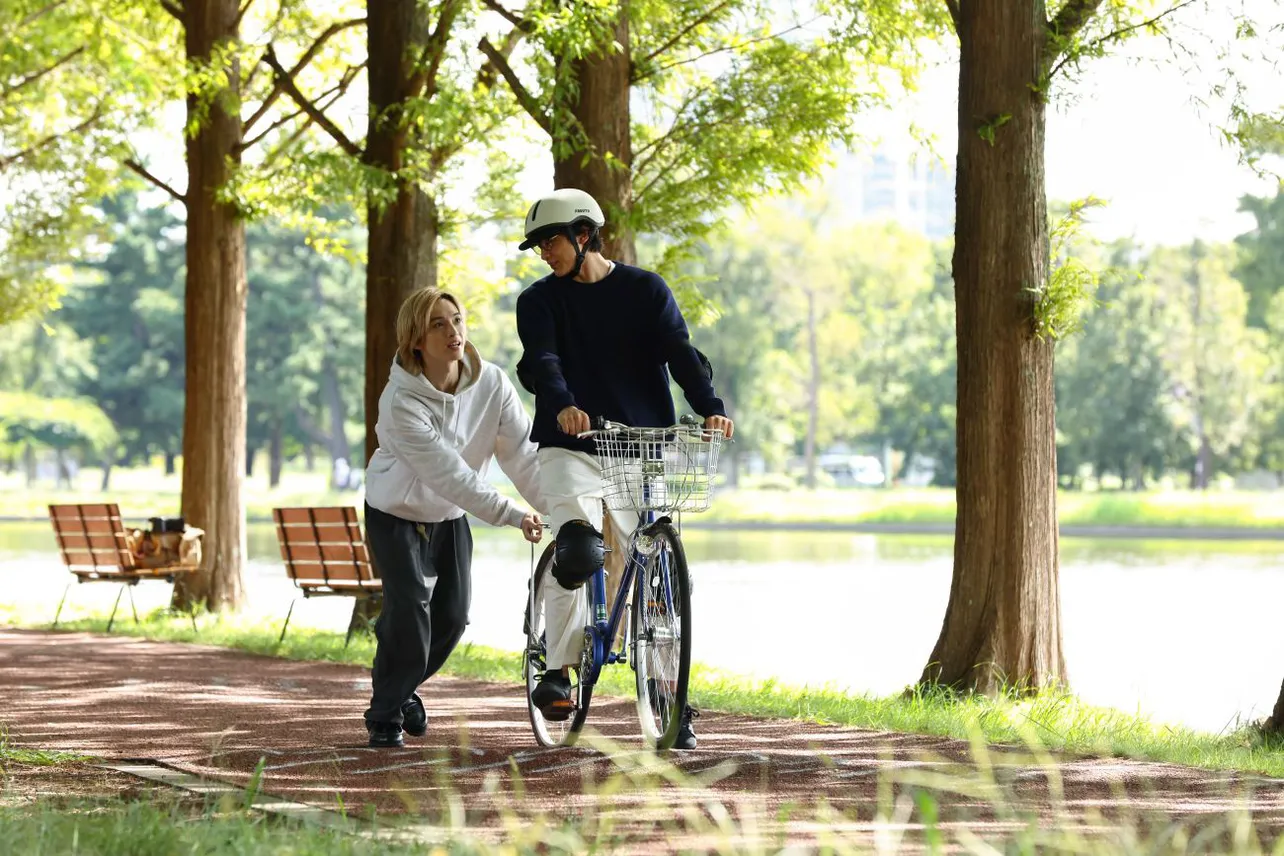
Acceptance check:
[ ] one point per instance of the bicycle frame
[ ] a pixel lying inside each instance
(604, 629)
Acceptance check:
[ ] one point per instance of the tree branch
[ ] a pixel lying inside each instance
(524, 98)
(725, 48)
(142, 170)
(173, 8)
(39, 13)
(311, 109)
(511, 17)
(424, 81)
(240, 13)
(1072, 17)
(647, 153)
(709, 13)
(1063, 57)
(953, 6)
(36, 75)
(308, 56)
(337, 91)
(486, 74)
(10, 160)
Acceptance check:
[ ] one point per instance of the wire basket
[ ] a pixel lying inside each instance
(658, 469)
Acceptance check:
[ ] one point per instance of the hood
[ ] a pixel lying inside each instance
(444, 404)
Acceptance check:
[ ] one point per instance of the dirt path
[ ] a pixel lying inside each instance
(221, 713)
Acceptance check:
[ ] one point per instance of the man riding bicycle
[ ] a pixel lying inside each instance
(599, 339)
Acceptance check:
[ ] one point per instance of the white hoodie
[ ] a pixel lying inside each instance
(434, 447)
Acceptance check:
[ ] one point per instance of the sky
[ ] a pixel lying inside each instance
(1130, 131)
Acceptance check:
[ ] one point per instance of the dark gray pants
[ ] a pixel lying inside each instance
(427, 589)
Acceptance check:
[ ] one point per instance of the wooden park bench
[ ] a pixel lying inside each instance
(95, 548)
(325, 555)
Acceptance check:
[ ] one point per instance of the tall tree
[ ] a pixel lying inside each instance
(1002, 622)
(1003, 619)
(214, 410)
(1214, 360)
(423, 111)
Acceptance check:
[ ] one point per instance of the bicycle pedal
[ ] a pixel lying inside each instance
(558, 711)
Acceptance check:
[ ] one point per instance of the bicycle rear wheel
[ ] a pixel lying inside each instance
(548, 732)
(662, 635)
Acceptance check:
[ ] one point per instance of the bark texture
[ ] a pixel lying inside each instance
(214, 416)
(1003, 622)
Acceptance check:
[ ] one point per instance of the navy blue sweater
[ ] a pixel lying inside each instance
(603, 347)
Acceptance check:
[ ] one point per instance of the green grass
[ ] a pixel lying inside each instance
(138, 828)
(143, 493)
(1058, 721)
(1183, 509)
(36, 757)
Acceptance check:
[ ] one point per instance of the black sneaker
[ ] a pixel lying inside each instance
(553, 696)
(686, 733)
(385, 735)
(414, 719)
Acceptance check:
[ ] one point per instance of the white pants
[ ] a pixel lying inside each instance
(571, 486)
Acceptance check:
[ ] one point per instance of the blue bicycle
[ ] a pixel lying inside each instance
(658, 473)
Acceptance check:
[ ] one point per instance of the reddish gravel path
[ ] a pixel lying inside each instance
(217, 713)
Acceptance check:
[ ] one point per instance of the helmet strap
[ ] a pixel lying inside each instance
(572, 235)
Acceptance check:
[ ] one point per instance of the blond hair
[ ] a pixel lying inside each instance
(412, 325)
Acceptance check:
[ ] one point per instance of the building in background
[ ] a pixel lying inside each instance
(899, 182)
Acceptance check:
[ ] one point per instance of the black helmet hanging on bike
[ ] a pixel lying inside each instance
(562, 212)
(579, 553)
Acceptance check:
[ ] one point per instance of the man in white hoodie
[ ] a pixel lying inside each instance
(443, 414)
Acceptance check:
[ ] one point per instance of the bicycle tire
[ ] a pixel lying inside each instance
(662, 684)
(547, 732)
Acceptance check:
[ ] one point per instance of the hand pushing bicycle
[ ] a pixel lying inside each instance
(655, 473)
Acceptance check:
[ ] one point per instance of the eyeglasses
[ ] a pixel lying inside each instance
(544, 244)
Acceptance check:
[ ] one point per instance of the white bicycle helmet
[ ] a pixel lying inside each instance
(559, 213)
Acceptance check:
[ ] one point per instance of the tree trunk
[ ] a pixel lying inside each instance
(813, 392)
(1275, 723)
(309, 458)
(170, 461)
(274, 455)
(62, 478)
(214, 415)
(1002, 626)
(602, 114)
(402, 236)
(29, 463)
(250, 454)
(106, 482)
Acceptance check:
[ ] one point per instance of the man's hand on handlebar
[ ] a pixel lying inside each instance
(720, 423)
(573, 421)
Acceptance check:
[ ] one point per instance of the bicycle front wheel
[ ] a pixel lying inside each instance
(548, 732)
(662, 634)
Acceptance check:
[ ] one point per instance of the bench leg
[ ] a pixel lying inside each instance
(61, 602)
(114, 606)
(286, 626)
(133, 608)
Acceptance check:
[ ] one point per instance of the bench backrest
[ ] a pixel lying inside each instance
(324, 547)
(92, 538)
